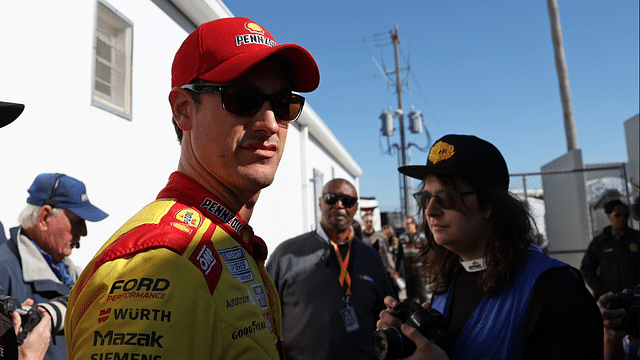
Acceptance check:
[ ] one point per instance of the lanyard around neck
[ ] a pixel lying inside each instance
(344, 277)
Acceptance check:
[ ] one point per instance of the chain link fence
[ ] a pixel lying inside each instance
(602, 184)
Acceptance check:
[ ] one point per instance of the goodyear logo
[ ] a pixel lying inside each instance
(441, 151)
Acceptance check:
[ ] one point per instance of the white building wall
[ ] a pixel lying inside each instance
(46, 64)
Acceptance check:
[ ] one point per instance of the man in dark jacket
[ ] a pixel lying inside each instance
(34, 261)
(611, 261)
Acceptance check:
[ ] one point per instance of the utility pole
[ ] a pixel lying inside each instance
(563, 76)
(400, 113)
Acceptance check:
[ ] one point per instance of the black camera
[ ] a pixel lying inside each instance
(630, 301)
(391, 343)
(30, 316)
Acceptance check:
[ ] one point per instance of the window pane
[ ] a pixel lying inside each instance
(103, 72)
(103, 88)
(103, 50)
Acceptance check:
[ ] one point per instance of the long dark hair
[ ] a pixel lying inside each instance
(509, 236)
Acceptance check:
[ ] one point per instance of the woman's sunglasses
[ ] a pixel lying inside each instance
(331, 198)
(444, 200)
(247, 101)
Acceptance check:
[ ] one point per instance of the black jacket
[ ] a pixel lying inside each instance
(611, 262)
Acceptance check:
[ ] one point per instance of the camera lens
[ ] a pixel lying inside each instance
(391, 344)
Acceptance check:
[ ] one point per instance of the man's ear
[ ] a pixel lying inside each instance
(43, 213)
(182, 107)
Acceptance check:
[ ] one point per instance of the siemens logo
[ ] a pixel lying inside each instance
(124, 356)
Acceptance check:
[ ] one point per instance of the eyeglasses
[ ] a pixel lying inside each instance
(444, 200)
(52, 201)
(618, 214)
(367, 221)
(347, 200)
(247, 101)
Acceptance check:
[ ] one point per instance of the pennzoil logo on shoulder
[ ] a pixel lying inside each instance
(223, 214)
(441, 151)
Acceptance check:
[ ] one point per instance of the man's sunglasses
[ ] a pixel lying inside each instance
(247, 101)
(444, 200)
(347, 200)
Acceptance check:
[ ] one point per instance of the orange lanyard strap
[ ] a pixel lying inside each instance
(344, 265)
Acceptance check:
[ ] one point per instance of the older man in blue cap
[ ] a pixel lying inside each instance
(34, 262)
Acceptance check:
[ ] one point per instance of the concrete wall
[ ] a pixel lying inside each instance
(566, 215)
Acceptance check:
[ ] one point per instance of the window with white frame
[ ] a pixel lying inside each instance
(112, 61)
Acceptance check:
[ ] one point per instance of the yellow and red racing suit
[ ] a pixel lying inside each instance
(183, 279)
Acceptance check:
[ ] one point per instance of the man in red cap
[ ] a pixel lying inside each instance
(185, 277)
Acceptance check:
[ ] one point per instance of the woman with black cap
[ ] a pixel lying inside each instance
(503, 298)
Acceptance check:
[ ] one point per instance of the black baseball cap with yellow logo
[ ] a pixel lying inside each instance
(465, 156)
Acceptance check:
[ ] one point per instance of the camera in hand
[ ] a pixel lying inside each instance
(391, 343)
(30, 316)
(630, 301)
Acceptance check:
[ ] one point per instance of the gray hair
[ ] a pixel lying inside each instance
(28, 218)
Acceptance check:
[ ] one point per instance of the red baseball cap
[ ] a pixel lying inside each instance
(224, 49)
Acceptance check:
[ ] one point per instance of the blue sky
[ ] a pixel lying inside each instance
(484, 68)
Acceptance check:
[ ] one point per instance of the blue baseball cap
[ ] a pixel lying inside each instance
(64, 192)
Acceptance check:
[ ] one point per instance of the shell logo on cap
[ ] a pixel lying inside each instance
(254, 28)
(441, 151)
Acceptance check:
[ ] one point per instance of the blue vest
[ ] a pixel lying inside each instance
(496, 328)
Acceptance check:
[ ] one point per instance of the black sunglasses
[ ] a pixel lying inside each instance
(246, 100)
(444, 200)
(347, 200)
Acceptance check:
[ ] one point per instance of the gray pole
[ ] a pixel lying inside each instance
(405, 183)
(563, 76)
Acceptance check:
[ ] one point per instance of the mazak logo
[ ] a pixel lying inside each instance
(132, 339)
(133, 314)
(143, 288)
(223, 214)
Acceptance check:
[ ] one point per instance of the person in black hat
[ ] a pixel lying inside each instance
(8, 113)
(502, 297)
(34, 262)
(35, 345)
